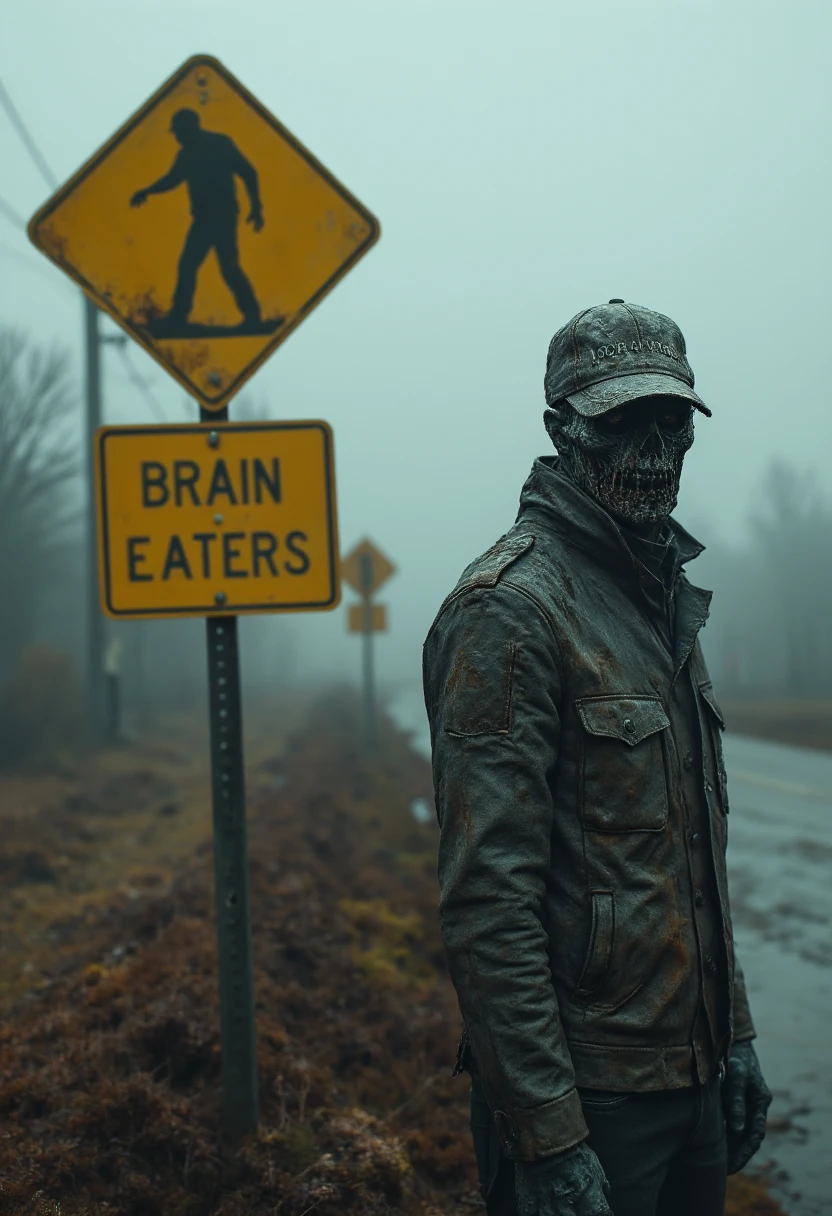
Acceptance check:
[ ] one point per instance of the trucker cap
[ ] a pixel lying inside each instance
(615, 352)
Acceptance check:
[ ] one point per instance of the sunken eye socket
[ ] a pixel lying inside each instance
(669, 418)
(673, 419)
(616, 420)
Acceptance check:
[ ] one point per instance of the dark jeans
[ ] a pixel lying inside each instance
(664, 1153)
(219, 234)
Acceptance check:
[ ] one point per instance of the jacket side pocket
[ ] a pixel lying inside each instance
(599, 951)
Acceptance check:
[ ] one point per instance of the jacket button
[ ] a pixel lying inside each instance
(694, 836)
(710, 964)
(688, 760)
(699, 896)
(709, 787)
(629, 726)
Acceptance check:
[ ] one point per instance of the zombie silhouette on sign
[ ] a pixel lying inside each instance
(208, 163)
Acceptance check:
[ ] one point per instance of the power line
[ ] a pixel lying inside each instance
(26, 137)
(137, 379)
(10, 252)
(134, 376)
(11, 215)
(6, 209)
(95, 621)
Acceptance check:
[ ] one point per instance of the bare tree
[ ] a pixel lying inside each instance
(39, 462)
(769, 633)
(794, 529)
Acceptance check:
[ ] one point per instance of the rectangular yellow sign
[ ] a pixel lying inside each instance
(361, 615)
(207, 520)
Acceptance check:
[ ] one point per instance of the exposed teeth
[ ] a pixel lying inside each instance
(645, 479)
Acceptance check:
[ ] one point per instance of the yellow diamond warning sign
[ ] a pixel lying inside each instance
(366, 568)
(194, 521)
(205, 229)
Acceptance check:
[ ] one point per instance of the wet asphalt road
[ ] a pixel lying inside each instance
(780, 874)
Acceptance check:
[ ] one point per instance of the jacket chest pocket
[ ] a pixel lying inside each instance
(623, 783)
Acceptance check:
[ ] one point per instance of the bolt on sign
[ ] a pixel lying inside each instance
(194, 520)
(203, 168)
(366, 568)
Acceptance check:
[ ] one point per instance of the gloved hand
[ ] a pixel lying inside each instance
(570, 1184)
(745, 1100)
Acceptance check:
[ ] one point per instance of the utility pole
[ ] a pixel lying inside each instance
(95, 619)
(95, 681)
(97, 700)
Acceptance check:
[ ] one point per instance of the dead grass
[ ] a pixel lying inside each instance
(109, 1064)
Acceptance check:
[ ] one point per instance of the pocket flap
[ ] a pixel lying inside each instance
(707, 691)
(629, 719)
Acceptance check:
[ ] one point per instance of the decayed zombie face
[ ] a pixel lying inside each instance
(629, 459)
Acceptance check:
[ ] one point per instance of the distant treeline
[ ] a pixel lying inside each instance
(769, 631)
(43, 573)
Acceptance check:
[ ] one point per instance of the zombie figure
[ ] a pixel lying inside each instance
(208, 163)
(583, 806)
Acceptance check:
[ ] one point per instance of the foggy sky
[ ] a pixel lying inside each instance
(526, 160)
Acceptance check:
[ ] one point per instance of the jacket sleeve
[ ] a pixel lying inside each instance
(492, 690)
(743, 1026)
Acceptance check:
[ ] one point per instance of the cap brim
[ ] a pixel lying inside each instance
(608, 394)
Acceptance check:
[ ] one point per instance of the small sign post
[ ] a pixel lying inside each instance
(365, 568)
(218, 518)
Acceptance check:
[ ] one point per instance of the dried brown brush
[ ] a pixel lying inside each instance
(110, 1078)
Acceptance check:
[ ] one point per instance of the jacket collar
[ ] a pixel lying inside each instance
(572, 513)
(580, 521)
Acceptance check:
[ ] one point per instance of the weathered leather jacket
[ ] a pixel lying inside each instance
(582, 801)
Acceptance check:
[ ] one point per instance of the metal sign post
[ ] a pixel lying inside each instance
(225, 518)
(365, 568)
(95, 621)
(220, 518)
(234, 954)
